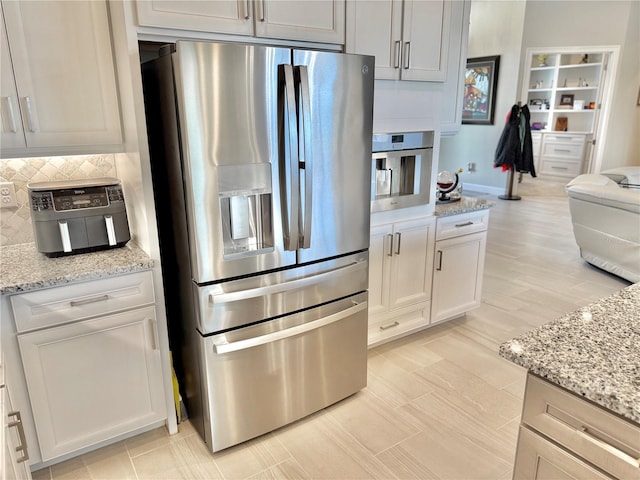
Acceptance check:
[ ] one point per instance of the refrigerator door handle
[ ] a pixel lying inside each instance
(305, 150)
(291, 146)
(289, 332)
(217, 299)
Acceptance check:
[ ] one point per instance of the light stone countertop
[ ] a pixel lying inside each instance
(23, 268)
(593, 352)
(464, 205)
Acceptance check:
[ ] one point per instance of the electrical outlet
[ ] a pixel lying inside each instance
(8, 195)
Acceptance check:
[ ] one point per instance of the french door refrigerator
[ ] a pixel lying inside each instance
(261, 161)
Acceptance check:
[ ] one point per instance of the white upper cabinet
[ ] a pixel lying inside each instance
(410, 39)
(317, 21)
(63, 97)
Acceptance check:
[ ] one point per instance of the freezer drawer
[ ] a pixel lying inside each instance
(265, 376)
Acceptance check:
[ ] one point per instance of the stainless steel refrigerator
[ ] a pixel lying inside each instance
(261, 162)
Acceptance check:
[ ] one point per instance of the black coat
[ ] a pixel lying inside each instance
(515, 147)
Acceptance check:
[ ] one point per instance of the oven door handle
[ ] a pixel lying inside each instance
(288, 332)
(217, 299)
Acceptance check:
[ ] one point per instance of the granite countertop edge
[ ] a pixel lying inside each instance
(590, 352)
(464, 205)
(24, 269)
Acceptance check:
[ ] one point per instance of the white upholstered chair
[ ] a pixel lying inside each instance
(605, 213)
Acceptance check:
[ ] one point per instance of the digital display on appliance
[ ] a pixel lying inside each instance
(76, 198)
(397, 138)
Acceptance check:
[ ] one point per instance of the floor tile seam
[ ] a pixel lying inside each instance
(391, 386)
(276, 465)
(170, 439)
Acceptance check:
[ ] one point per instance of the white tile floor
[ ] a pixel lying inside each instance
(439, 404)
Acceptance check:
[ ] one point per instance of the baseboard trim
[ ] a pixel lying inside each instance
(483, 188)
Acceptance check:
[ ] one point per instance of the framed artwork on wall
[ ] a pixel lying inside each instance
(480, 86)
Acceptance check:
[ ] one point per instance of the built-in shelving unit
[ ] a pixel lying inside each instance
(564, 85)
(564, 89)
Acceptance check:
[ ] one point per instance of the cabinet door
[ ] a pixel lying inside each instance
(425, 35)
(317, 21)
(64, 72)
(93, 380)
(375, 28)
(217, 17)
(457, 279)
(412, 264)
(12, 134)
(15, 453)
(379, 262)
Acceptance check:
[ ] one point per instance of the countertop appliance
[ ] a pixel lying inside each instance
(401, 170)
(261, 162)
(77, 216)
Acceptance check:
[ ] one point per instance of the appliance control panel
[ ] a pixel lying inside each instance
(75, 198)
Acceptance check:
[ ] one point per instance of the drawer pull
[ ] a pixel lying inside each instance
(625, 457)
(86, 301)
(389, 325)
(563, 150)
(465, 224)
(559, 168)
(23, 440)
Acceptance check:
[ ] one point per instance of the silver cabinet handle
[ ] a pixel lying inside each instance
(396, 55)
(64, 235)
(439, 267)
(154, 335)
(399, 237)
(407, 54)
(217, 299)
(389, 325)
(288, 332)
(111, 231)
(27, 104)
(23, 440)
(559, 168)
(291, 150)
(87, 301)
(625, 457)
(11, 115)
(563, 150)
(390, 237)
(247, 14)
(261, 7)
(465, 224)
(306, 162)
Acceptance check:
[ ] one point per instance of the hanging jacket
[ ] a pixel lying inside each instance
(515, 148)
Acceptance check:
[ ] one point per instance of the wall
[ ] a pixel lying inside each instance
(495, 29)
(508, 29)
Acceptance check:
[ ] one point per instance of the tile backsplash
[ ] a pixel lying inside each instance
(15, 223)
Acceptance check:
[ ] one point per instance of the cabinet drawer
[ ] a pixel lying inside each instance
(562, 169)
(462, 224)
(539, 459)
(401, 323)
(563, 150)
(579, 139)
(53, 306)
(604, 439)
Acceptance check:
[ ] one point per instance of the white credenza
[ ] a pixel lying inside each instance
(91, 361)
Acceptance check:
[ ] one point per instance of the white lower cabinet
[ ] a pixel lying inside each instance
(15, 451)
(563, 436)
(458, 264)
(400, 265)
(99, 376)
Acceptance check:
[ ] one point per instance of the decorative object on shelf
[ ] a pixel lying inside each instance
(585, 58)
(542, 60)
(562, 124)
(578, 104)
(566, 100)
(480, 85)
(592, 105)
(514, 152)
(449, 186)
